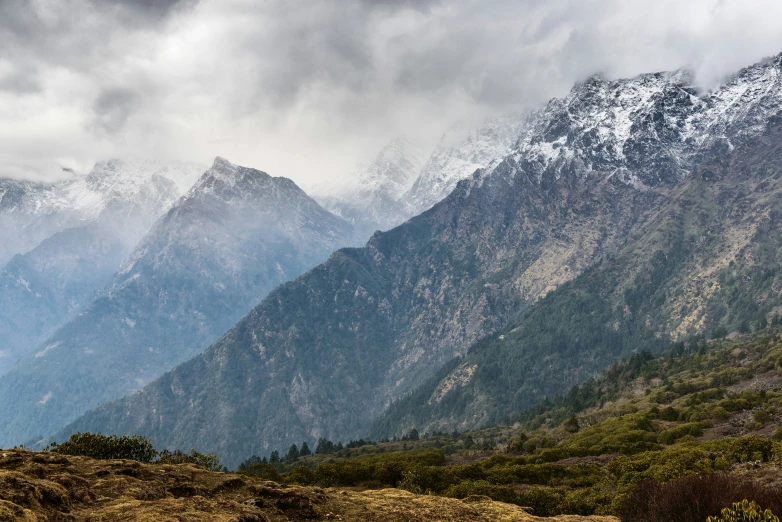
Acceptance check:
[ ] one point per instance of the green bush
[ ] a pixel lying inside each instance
(481, 487)
(744, 511)
(207, 461)
(99, 446)
(669, 436)
(300, 475)
(262, 471)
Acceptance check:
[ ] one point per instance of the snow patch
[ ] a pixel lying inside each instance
(48, 348)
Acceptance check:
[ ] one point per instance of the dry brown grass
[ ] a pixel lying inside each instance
(52, 487)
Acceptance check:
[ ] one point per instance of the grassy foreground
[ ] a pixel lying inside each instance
(50, 486)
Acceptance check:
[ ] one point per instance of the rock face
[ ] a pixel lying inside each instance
(68, 238)
(235, 235)
(324, 354)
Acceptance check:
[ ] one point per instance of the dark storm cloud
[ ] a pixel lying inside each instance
(113, 107)
(139, 12)
(159, 7)
(311, 43)
(420, 5)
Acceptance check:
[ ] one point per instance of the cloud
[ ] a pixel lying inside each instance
(113, 107)
(305, 88)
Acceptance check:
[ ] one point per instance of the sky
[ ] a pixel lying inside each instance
(307, 88)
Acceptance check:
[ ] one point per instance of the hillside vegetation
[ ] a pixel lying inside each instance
(51, 486)
(701, 408)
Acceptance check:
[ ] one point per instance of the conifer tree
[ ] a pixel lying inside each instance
(293, 454)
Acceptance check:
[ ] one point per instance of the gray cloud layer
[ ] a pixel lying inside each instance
(305, 88)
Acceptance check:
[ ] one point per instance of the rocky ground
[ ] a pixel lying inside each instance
(52, 487)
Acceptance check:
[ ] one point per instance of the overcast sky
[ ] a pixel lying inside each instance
(305, 89)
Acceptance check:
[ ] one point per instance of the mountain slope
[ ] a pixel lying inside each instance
(41, 289)
(708, 261)
(94, 222)
(324, 354)
(51, 486)
(233, 237)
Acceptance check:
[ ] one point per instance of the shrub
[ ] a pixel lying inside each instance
(300, 475)
(744, 511)
(99, 446)
(761, 416)
(481, 487)
(207, 461)
(750, 448)
(262, 471)
(693, 498)
(571, 425)
(677, 432)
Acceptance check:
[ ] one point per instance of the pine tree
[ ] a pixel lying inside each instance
(293, 454)
(274, 458)
(324, 447)
(305, 450)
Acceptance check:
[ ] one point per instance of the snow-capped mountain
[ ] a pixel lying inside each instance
(648, 129)
(68, 238)
(460, 152)
(131, 194)
(371, 200)
(402, 181)
(237, 234)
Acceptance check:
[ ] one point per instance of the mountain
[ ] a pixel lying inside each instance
(94, 222)
(458, 155)
(234, 236)
(128, 194)
(611, 171)
(45, 287)
(708, 261)
(372, 201)
(401, 182)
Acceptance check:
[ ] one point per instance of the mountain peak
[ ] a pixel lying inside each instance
(230, 181)
(222, 163)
